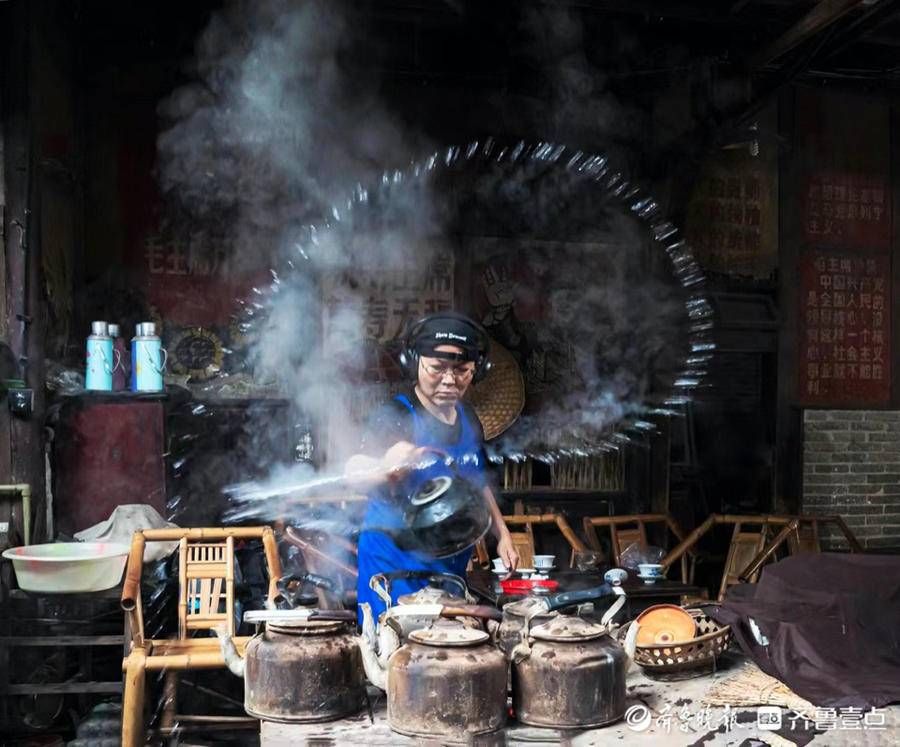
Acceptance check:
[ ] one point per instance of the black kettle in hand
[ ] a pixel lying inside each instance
(443, 513)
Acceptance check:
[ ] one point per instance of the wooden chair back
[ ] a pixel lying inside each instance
(523, 542)
(806, 538)
(522, 530)
(206, 576)
(480, 558)
(746, 544)
(625, 536)
(628, 529)
(325, 554)
(206, 585)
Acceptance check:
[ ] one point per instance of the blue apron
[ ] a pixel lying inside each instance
(377, 551)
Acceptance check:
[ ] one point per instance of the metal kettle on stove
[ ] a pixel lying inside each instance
(443, 676)
(430, 606)
(305, 665)
(567, 671)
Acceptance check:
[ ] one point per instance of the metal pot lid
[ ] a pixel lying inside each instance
(431, 595)
(306, 627)
(455, 636)
(568, 628)
(530, 607)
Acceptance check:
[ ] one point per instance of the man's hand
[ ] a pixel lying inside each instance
(401, 458)
(507, 552)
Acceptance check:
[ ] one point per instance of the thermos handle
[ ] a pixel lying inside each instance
(165, 359)
(117, 354)
(103, 357)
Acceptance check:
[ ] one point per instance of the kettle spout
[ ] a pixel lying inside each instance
(233, 659)
(376, 648)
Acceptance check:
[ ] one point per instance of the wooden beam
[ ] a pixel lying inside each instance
(825, 13)
(860, 28)
(739, 5)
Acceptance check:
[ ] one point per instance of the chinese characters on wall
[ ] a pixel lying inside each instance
(190, 282)
(846, 329)
(393, 299)
(732, 217)
(847, 211)
(388, 300)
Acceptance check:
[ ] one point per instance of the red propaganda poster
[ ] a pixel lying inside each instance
(845, 330)
(846, 210)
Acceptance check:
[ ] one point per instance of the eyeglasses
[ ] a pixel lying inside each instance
(459, 373)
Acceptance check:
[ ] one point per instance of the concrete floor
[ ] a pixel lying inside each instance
(689, 723)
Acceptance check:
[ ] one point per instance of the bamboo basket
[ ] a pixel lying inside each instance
(701, 651)
(499, 398)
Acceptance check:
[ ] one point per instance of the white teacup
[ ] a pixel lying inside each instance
(650, 570)
(544, 562)
(499, 565)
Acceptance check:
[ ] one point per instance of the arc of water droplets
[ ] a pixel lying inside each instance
(593, 167)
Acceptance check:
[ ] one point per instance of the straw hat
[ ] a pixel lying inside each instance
(499, 397)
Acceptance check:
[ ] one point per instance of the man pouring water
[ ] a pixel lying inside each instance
(442, 355)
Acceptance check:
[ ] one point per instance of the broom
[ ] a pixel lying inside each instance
(753, 687)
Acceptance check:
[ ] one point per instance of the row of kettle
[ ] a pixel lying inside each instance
(444, 662)
(109, 367)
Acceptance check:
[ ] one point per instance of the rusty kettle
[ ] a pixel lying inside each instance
(567, 671)
(447, 682)
(422, 609)
(304, 666)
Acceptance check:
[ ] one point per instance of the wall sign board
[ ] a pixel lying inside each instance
(848, 211)
(845, 329)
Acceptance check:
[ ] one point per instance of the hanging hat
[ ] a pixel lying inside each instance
(499, 397)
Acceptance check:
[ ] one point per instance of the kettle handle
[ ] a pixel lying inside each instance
(570, 598)
(302, 578)
(380, 583)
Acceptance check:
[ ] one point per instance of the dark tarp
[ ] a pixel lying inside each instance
(833, 626)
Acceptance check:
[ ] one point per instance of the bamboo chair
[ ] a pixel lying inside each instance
(319, 560)
(205, 601)
(805, 538)
(749, 550)
(628, 529)
(523, 540)
(480, 558)
(318, 550)
(747, 540)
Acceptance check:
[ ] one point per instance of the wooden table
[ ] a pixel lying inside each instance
(639, 595)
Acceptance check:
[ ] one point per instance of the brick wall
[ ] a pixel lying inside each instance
(851, 467)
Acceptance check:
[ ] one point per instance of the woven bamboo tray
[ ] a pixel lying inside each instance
(712, 641)
(499, 398)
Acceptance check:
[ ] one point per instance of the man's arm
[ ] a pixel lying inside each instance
(505, 548)
(384, 448)
(364, 472)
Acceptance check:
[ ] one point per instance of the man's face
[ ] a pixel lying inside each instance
(445, 382)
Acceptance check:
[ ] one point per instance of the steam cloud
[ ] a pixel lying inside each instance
(269, 141)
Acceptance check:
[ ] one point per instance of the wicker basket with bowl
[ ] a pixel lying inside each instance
(671, 653)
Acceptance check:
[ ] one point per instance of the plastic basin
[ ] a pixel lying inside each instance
(68, 567)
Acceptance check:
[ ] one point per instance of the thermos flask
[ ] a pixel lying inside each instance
(100, 359)
(121, 371)
(148, 359)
